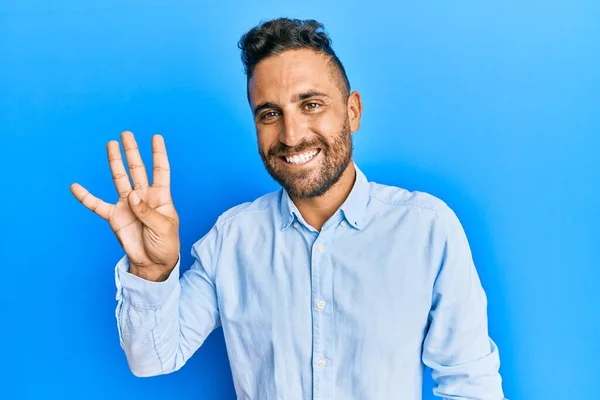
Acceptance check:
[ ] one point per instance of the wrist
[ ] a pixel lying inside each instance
(152, 273)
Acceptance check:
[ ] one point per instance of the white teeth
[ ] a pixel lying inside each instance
(301, 158)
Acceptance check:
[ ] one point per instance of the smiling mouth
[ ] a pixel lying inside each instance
(301, 158)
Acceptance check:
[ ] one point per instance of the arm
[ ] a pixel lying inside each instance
(161, 324)
(463, 358)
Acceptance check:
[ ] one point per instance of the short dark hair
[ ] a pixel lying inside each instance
(278, 35)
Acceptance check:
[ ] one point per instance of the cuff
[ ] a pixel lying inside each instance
(141, 292)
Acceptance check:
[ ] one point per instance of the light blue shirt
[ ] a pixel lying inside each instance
(354, 311)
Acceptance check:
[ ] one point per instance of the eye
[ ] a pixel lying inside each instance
(268, 115)
(312, 106)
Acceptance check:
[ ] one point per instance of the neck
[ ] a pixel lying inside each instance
(317, 210)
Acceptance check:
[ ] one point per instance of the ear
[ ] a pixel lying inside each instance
(354, 110)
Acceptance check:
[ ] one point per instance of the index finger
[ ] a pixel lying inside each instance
(117, 169)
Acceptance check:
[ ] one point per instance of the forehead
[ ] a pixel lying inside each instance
(278, 77)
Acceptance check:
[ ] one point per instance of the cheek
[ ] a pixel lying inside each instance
(265, 139)
(327, 124)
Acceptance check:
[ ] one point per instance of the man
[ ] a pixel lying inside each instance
(332, 287)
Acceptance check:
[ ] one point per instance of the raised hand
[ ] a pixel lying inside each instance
(144, 218)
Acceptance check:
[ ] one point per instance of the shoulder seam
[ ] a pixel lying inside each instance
(405, 203)
(232, 213)
(238, 213)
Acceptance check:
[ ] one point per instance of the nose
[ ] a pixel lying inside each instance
(292, 130)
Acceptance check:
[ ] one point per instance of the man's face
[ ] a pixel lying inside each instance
(302, 121)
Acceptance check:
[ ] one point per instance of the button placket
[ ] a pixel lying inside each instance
(322, 313)
(316, 264)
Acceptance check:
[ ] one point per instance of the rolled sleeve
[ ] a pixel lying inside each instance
(141, 292)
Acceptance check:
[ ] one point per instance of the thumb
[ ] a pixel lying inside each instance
(149, 216)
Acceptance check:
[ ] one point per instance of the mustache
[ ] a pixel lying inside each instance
(281, 149)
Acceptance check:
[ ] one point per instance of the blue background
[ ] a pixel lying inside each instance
(493, 107)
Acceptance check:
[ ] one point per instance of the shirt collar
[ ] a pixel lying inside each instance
(354, 207)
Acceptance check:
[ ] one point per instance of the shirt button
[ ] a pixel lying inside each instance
(322, 363)
(320, 304)
(344, 224)
(296, 225)
(320, 248)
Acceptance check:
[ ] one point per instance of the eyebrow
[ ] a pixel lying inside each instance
(307, 95)
(294, 99)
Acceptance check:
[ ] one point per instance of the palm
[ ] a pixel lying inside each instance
(144, 244)
(135, 236)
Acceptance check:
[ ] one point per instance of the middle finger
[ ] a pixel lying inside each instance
(137, 170)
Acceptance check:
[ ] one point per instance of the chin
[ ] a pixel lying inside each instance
(305, 192)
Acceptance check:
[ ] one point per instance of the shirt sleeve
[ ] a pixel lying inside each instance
(464, 359)
(161, 324)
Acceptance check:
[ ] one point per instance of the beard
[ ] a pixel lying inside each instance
(314, 181)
